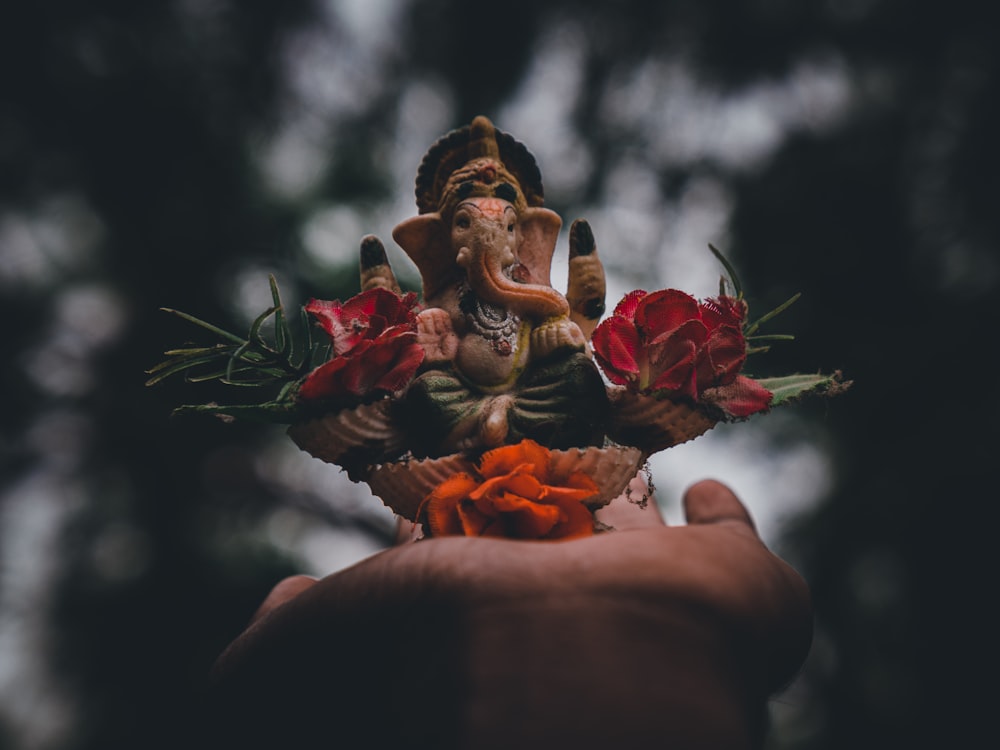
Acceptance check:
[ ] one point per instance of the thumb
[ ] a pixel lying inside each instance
(286, 589)
(709, 502)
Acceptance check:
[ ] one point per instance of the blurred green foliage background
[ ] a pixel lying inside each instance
(171, 154)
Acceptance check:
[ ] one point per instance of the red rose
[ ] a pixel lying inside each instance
(668, 342)
(515, 495)
(374, 345)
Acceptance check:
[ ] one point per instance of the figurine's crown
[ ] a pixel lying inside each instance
(477, 160)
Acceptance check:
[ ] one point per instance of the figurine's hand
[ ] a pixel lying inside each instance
(561, 333)
(651, 636)
(586, 283)
(375, 269)
(436, 335)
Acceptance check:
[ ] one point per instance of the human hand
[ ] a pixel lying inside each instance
(648, 634)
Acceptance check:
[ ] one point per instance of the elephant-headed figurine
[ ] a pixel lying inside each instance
(506, 354)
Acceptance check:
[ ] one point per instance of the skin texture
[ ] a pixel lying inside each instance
(648, 636)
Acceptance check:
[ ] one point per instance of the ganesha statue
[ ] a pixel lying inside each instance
(492, 403)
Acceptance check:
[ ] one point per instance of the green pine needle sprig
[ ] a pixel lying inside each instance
(252, 361)
(750, 328)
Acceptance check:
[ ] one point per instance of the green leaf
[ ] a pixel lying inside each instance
(205, 377)
(254, 361)
(288, 391)
(234, 358)
(196, 350)
(768, 316)
(789, 388)
(737, 287)
(772, 337)
(282, 335)
(255, 329)
(166, 369)
(207, 326)
(300, 355)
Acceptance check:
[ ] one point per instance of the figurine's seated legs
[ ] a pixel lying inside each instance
(561, 403)
(441, 413)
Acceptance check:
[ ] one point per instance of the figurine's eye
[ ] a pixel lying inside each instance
(510, 227)
(462, 221)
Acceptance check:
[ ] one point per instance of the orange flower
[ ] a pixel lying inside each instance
(513, 495)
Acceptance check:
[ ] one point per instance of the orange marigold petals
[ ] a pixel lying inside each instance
(577, 487)
(442, 504)
(506, 459)
(517, 482)
(472, 521)
(578, 522)
(513, 496)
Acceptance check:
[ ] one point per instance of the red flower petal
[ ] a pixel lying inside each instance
(741, 398)
(409, 355)
(364, 364)
(385, 364)
(723, 311)
(382, 364)
(382, 303)
(673, 358)
(722, 357)
(626, 308)
(675, 370)
(370, 302)
(662, 312)
(678, 344)
(326, 381)
(364, 316)
(329, 315)
(617, 348)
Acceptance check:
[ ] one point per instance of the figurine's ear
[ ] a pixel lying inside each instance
(425, 239)
(539, 232)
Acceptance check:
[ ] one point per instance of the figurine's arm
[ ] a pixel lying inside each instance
(436, 335)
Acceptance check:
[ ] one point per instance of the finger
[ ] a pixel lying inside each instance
(635, 508)
(709, 502)
(285, 590)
